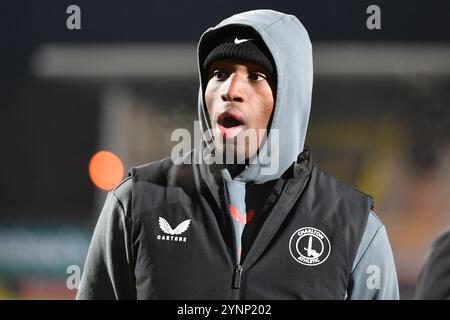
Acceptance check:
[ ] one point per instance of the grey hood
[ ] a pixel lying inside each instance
(289, 44)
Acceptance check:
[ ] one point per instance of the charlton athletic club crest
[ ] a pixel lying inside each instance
(309, 246)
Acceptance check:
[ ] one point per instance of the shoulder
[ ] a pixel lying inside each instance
(374, 275)
(122, 194)
(439, 250)
(151, 177)
(434, 279)
(374, 225)
(374, 239)
(155, 184)
(155, 171)
(336, 185)
(352, 205)
(164, 172)
(441, 243)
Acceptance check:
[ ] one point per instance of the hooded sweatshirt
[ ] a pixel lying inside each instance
(289, 44)
(290, 47)
(128, 259)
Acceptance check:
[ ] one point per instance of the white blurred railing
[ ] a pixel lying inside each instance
(179, 59)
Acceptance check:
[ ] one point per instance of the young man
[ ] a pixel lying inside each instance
(272, 226)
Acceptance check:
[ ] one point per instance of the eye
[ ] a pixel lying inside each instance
(219, 75)
(257, 76)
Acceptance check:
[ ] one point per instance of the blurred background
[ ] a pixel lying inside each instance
(122, 83)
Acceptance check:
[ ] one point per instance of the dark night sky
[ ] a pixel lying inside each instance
(25, 24)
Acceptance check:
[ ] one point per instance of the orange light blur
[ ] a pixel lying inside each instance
(105, 170)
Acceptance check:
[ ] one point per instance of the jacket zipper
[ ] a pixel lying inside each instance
(237, 277)
(237, 281)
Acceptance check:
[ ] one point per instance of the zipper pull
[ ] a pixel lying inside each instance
(237, 277)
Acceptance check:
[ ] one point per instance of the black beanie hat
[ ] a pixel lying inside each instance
(242, 48)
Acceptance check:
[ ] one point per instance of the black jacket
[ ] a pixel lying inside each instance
(434, 279)
(133, 255)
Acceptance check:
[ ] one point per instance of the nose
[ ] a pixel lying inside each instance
(233, 89)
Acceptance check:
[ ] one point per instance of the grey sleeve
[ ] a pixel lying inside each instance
(108, 272)
(434, 279)
(373, 275)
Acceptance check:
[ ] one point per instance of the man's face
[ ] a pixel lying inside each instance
(240, 101)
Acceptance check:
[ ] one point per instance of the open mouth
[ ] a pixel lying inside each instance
(230, 124)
